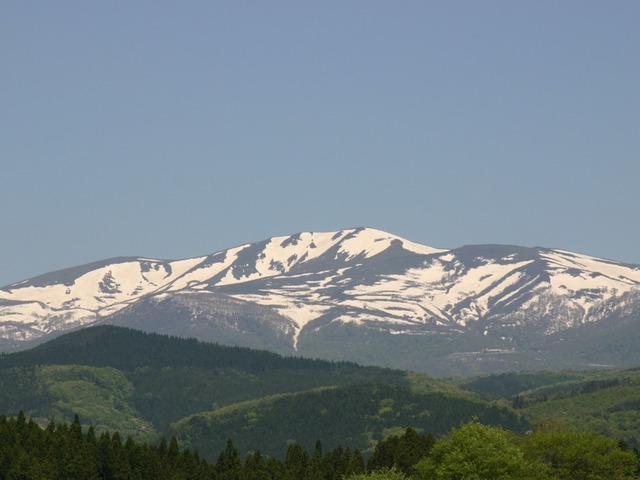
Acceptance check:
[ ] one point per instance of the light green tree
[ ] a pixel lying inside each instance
(580, 455)
(477, 452)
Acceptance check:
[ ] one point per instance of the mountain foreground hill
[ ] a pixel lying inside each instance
(361, 295)
(598, 400)
(149, 385)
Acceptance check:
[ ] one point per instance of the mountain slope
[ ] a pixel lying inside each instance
(332, 294)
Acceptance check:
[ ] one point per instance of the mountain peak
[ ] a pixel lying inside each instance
(370, 242)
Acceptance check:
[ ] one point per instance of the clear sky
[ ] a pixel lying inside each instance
(176, 129)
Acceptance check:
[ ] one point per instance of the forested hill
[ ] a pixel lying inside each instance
(127, 349)
(148, 386)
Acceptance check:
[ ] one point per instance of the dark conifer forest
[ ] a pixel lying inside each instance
(474, 451)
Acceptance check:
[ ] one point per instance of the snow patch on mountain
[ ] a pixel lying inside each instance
(359, 276)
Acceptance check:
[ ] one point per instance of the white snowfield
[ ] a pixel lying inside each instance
(357, 278)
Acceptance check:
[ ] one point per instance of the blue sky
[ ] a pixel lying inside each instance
(175, 129)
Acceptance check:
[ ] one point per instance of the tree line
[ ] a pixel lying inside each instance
(472, 451)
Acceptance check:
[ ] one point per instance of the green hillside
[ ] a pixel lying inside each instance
(604, 401)
(356, 415)
(148, 386)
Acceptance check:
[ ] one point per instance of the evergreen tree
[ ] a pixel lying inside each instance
(401, 452)
(315, 468)
(295, 462)
(356, 465)
(255, 467)
(229, 465)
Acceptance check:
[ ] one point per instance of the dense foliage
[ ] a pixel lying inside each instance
(478, 452)
(472, 452)
(28, 451)
(475, 452)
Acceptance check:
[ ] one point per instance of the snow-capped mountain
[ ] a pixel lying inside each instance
(360, 294)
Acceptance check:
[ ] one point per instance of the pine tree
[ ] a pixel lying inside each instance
(229, 465)
(296, 462)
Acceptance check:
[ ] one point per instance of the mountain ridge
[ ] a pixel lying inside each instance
(289, 292)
